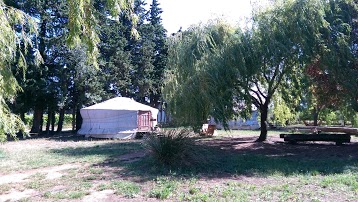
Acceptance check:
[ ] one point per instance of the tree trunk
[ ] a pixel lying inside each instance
(315, 116)
(264, 114)
(48, 124)
(78, 120)
(154, 100)
(22, 117)
(53, 121)
(37, 121)
(60, 120)
(74, 118)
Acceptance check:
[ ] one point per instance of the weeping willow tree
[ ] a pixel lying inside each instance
(16, 29)
(285, 38)
(194, 87)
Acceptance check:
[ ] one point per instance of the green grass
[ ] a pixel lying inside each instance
(125, 188)
(38, 181)
(164, 187)
(66, 195)
(349, 180)
(78, 152)
(224, 174)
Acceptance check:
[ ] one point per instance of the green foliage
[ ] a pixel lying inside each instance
(215, 71)
(10, 40)
(82, 23)
(355, 120)
(194, 88)
(339, 53)
(172, 147)
(330, 117)
(67, 121)
(282, 113)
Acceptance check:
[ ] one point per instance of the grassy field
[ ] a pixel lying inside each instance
(233, 168)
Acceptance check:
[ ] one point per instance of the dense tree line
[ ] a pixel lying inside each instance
(67, 79)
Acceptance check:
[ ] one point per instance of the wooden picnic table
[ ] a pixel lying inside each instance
(339, 139)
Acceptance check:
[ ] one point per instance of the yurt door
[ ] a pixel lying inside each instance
(144, 123)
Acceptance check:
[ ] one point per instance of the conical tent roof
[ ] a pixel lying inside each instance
(121, 103)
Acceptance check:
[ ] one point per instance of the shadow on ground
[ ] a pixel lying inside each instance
(63, 136)
(227, 157)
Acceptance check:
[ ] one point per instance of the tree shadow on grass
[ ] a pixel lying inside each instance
(63, 136)
(227, 157)
(108, 150)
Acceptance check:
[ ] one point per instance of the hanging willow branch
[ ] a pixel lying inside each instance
(11, 43)
(83, 24)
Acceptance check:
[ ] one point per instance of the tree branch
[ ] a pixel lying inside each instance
(256, 102)
(271, 82)
(278, 81)
(261, 93)
(258, 96)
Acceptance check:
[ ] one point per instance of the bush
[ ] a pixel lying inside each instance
(331, 118)
(355, 121)
(172, 147)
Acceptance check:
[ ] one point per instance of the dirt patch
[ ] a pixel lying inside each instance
(13, 178)
(98, 196)
(51, 173)
(15, 195)
(54, 172)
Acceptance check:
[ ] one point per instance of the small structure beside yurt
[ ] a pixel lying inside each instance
(120, 118)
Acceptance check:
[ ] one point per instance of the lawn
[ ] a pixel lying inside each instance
(233, 168)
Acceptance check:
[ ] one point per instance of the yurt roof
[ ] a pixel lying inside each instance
(121, 103)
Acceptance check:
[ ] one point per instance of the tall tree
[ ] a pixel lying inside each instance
(82, 23)
(283, 39)
(257, 63)
(333, 72)
(158, 37)
(196, 84)
(339, 57)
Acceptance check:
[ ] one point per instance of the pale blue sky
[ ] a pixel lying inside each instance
(183, 13)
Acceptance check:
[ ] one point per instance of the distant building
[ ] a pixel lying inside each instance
(240, 124)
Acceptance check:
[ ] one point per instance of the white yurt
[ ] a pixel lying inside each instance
(119, 117)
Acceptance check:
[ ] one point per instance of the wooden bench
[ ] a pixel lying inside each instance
(338, 138)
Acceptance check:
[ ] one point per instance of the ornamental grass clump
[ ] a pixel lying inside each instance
(172, 147)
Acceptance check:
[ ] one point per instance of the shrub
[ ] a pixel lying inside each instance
(331, 118)
(355, 121)
(172, 147)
